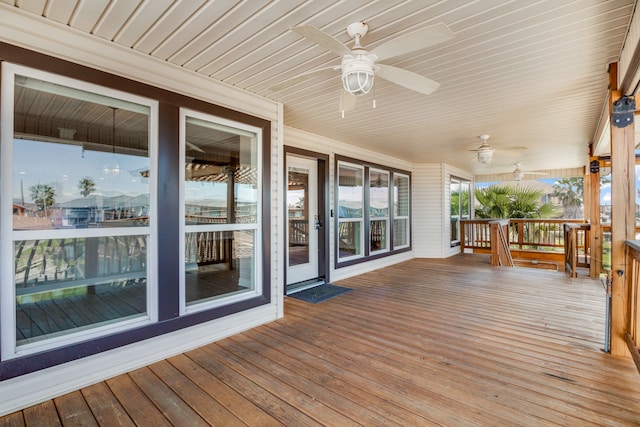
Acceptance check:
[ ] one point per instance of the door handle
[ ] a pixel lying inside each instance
(317, 223)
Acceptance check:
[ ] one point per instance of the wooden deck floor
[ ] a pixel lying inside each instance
(427, 342)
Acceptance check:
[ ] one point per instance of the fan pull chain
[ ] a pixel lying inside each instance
(374, 96)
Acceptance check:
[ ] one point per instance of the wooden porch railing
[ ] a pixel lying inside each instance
(500, 252)
(576, 236)
(536, 242)
(633, 317)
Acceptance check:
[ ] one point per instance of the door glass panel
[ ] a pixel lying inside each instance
(298, 211)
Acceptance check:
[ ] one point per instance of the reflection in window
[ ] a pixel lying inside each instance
(459, 206)
(73, 170)
(80, 171)
(220, 208)
(378, 210)
(350, 210)
(400, 211)
(67, 285)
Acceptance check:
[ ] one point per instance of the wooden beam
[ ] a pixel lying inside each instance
(622, 218)
(592, 187)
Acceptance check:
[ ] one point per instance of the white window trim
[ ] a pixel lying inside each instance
(256, 227)
(345, 220)
(402, 217)
(381, 218)
(9, 348)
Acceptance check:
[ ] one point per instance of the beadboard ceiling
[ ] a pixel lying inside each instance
(530, 73)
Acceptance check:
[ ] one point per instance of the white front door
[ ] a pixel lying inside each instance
(302, 215)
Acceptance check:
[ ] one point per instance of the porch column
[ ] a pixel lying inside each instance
(622, 210)
(592, 213)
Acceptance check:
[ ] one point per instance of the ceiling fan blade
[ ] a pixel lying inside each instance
(321, 72)
(194, 146)
(407, 79)
(347, 101)
(411, 42)
(323, 39)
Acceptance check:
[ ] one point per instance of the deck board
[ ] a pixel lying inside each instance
(450, 342)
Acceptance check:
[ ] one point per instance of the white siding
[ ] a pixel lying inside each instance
(427, 210)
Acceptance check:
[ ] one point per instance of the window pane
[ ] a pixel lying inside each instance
(401, 195)
(67, 285)
(80, 159)
(219, 263)
(455, 201)
(378, 235)
(350, 239)
(350, 197)
(464, 199)
(221, 174)
(379, 194)
(400, 232)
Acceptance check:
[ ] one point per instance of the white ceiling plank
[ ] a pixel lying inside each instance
(115, 17)
(60, 10)
(149, 12)
(33, 6)
(230, 30)
(205, 17)
(162, 29)
(87, 14)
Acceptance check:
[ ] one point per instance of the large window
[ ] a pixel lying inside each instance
(126, 212)
(78, 170)
(374, 222)
(400, 211)
(221, 210)
(378, 210)
(350, 211)
(459, 190)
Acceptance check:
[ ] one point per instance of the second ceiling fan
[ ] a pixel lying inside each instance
(360, 66)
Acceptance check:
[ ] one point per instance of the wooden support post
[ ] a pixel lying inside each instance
(592, 187)
(623, 202)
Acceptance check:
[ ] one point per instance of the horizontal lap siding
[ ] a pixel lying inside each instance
(427, 211)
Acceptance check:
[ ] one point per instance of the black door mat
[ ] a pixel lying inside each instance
(320, 293)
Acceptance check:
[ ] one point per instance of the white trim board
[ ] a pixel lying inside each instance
(36, 387)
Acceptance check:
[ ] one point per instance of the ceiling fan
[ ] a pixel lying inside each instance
(518, 174)
(360, 66)
(485, 151)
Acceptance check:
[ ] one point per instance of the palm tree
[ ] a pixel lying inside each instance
(570, 193)
(504, 201)
(86, 186)
(44, 196)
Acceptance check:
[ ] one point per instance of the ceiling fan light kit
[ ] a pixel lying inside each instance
(359, 66)
(357, 74)
(485, 156)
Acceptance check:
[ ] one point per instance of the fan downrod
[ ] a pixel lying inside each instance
(356, 31)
